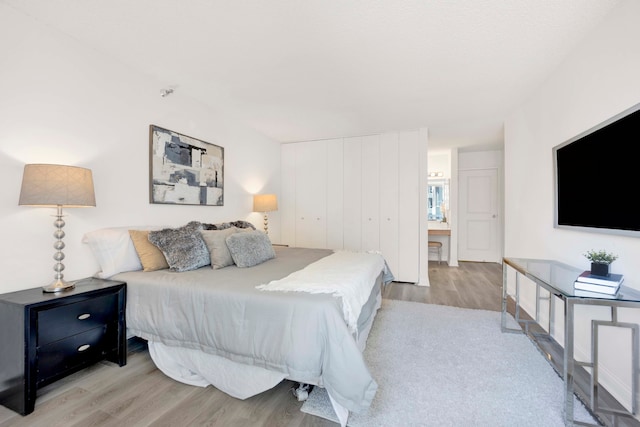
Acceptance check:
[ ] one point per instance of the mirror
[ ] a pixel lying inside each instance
(438, 199)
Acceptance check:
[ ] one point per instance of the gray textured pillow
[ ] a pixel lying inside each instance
(224, 225)
(183, 247)
(250, 248)
(218, 250)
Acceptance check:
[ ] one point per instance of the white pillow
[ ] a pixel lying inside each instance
(114, 250)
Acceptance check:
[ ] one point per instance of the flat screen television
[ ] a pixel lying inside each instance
(597, 177)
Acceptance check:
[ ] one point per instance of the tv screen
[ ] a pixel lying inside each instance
(597, 177)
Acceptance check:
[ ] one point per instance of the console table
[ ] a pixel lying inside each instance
(557, 279)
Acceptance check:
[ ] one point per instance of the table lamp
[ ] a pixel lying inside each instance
(265, 203)
(57, 186)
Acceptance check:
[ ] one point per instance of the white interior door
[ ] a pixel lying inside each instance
(478, 238)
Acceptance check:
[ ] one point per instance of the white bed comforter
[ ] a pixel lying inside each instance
(346, 274)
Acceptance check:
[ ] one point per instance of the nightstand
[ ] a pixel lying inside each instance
(47, 336)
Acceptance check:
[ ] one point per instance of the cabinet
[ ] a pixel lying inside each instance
(357, 193)
(46, 336)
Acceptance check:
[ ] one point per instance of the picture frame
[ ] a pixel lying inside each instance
(184, 170)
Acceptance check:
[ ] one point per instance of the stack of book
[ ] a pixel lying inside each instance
(598, 284)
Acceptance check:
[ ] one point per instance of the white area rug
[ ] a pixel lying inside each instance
(445, 366)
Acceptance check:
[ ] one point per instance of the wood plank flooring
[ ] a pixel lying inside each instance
(471, 285)
(140, 395)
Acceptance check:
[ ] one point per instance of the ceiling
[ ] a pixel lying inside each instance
(300, 70)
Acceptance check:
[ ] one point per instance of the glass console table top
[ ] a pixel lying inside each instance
(559, 278)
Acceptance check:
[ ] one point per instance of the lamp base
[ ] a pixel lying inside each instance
(266, 224)
(59, 286)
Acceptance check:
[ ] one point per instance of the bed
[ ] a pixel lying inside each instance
(222, 326)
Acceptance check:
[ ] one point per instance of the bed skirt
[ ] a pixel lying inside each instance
(241, 381)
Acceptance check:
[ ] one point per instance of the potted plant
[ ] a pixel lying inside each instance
(600, 261)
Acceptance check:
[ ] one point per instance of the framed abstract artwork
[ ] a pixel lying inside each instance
(184, 170)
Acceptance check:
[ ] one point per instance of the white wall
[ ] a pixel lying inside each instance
(487, 159)
(440, 161)
(62, 102)
(598, 80)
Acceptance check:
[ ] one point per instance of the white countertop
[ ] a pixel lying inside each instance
(437, 225)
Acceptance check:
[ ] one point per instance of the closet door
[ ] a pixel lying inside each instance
(370, 193)
(389, 200)
(311, 194)
(335, 187)
(409, 207)
(287, 202)
(352, 195)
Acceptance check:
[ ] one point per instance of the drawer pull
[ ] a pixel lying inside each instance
(83, 347)
(84, 316)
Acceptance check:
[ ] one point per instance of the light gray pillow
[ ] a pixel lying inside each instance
(183, 247)
(217, 246)
(250, 248)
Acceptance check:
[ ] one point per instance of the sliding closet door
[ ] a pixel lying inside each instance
(389, 199)
(370, 193)
(311, 194)
(352, 195)
(335, 198)
(359, 193)
(287, 201)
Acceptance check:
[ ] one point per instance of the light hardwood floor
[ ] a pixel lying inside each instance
(140, 395)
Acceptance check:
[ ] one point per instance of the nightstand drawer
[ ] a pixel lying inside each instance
(71, 319)
(57, 358)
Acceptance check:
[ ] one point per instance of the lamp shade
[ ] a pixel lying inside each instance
(265, 203)
(57, 185)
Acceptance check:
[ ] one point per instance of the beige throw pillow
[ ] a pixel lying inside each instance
(217, 245)
(150, 256)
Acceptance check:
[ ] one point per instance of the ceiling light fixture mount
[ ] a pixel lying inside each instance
(166, 92)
